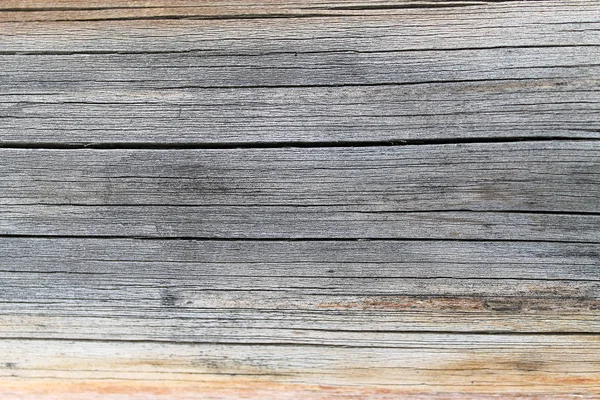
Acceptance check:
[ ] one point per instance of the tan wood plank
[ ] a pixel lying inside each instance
(420, 366)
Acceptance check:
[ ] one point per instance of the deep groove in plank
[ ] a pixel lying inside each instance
(276, 239)
(285, 144)
(209, 53)
(428, 211)
(223, 17)
(306, 344)
(422, 5)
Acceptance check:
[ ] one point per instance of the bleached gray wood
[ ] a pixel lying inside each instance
(346, 325)
(111, 10)
(93, 113)
(319, 259)
(487, 70)
(510, 24)
(240, 291)
(525, 191)
(280, 222)
(542, 176)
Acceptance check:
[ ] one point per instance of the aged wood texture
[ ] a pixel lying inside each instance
(293, 291)
(299, 199)
(298, 71)
(511, 191)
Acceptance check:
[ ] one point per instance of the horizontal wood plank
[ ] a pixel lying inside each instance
(245, 222)
(501, 191)
(107, 10)
(94, 114)
(385, 71)
(545, 176)
(443, 365)
(300, 292)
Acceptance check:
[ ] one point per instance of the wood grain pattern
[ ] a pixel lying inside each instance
(299, 199)
(505, 191)
(540, 176)
(292, 72)
(295, 292)
(424, 363)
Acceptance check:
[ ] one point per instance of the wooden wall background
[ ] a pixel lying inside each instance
(299, 199)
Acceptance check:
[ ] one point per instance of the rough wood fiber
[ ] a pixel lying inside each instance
(532, 176)
(298, 292)
(431, 233)
(510, 191)
(423, 363)
(298, 71)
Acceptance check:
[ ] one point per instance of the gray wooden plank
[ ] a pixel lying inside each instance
(281, 222)
(508, 191)
(542, 176)
(87, 112)
(274, 292)
(301, 259)
(109, 10)
(331, 291)
(511, 24)
(289, 292)
(492, 70)
(300, 327)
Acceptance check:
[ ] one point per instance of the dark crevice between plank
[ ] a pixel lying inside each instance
(444, 4)
(246, 205)
(283, 15)
(360, 84)
(285, 144)
(311, 277)
(276, 53)
(309, 344)
(97, 8)
(535, 212)
(222, 17)
(200, 5)
(279, 239)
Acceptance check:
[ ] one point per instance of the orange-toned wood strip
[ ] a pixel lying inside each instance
(511, 365)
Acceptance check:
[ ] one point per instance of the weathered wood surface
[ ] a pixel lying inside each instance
(299, 199)
(297, 71)
(416, 364)
(293, 291)
(511, 191)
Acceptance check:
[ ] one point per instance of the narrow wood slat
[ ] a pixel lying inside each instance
(279, 222)
(174, 112)
(532, 176)
(103, 10)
